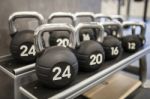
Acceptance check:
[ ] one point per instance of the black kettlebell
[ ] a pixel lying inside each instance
(90, 53)
(131, 43)
(111, 44)
(86, 34)
(22, 47)
(56, 66)
(60, 38)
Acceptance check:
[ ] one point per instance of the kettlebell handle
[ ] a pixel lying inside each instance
(99, 16)
(96, 25)
(28, 14)
(117, 17)
(85, 14)
(62, 14)
(134, 24)
(53, 27)
(114, 23)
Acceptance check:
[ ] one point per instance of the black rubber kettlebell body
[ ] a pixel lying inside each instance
(90, 53)
(56, 66)
(22, 47)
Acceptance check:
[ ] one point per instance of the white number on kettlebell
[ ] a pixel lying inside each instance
(114, 33)
(131, 46)
(114, 51)
(143, 41)
(96, 59)
(66, 73)
(86, 37)
(27, 52)
(62, 42)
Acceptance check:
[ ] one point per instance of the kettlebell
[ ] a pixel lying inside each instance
(86, 34)
(56, 66)
(60, 38)
(90, 53)
(131, 43)
(22, 47)
(112, 45)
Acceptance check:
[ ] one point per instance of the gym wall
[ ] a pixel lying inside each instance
(43, 6)
(136, 10)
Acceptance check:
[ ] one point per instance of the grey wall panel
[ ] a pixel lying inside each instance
(43, 6)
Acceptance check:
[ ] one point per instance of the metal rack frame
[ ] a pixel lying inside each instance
(14, 76)
(99, 77)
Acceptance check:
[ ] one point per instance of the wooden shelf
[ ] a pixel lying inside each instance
(119, 86)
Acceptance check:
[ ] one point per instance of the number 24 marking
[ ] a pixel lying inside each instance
(27, 52)
(66, 73)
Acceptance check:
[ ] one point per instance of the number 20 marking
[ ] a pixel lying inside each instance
(96, 59)
(63, 42)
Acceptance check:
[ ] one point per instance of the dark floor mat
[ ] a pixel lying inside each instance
(141, 93)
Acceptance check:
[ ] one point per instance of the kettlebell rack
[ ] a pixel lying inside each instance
(21, 80)
(85, 81)
(14, 74)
